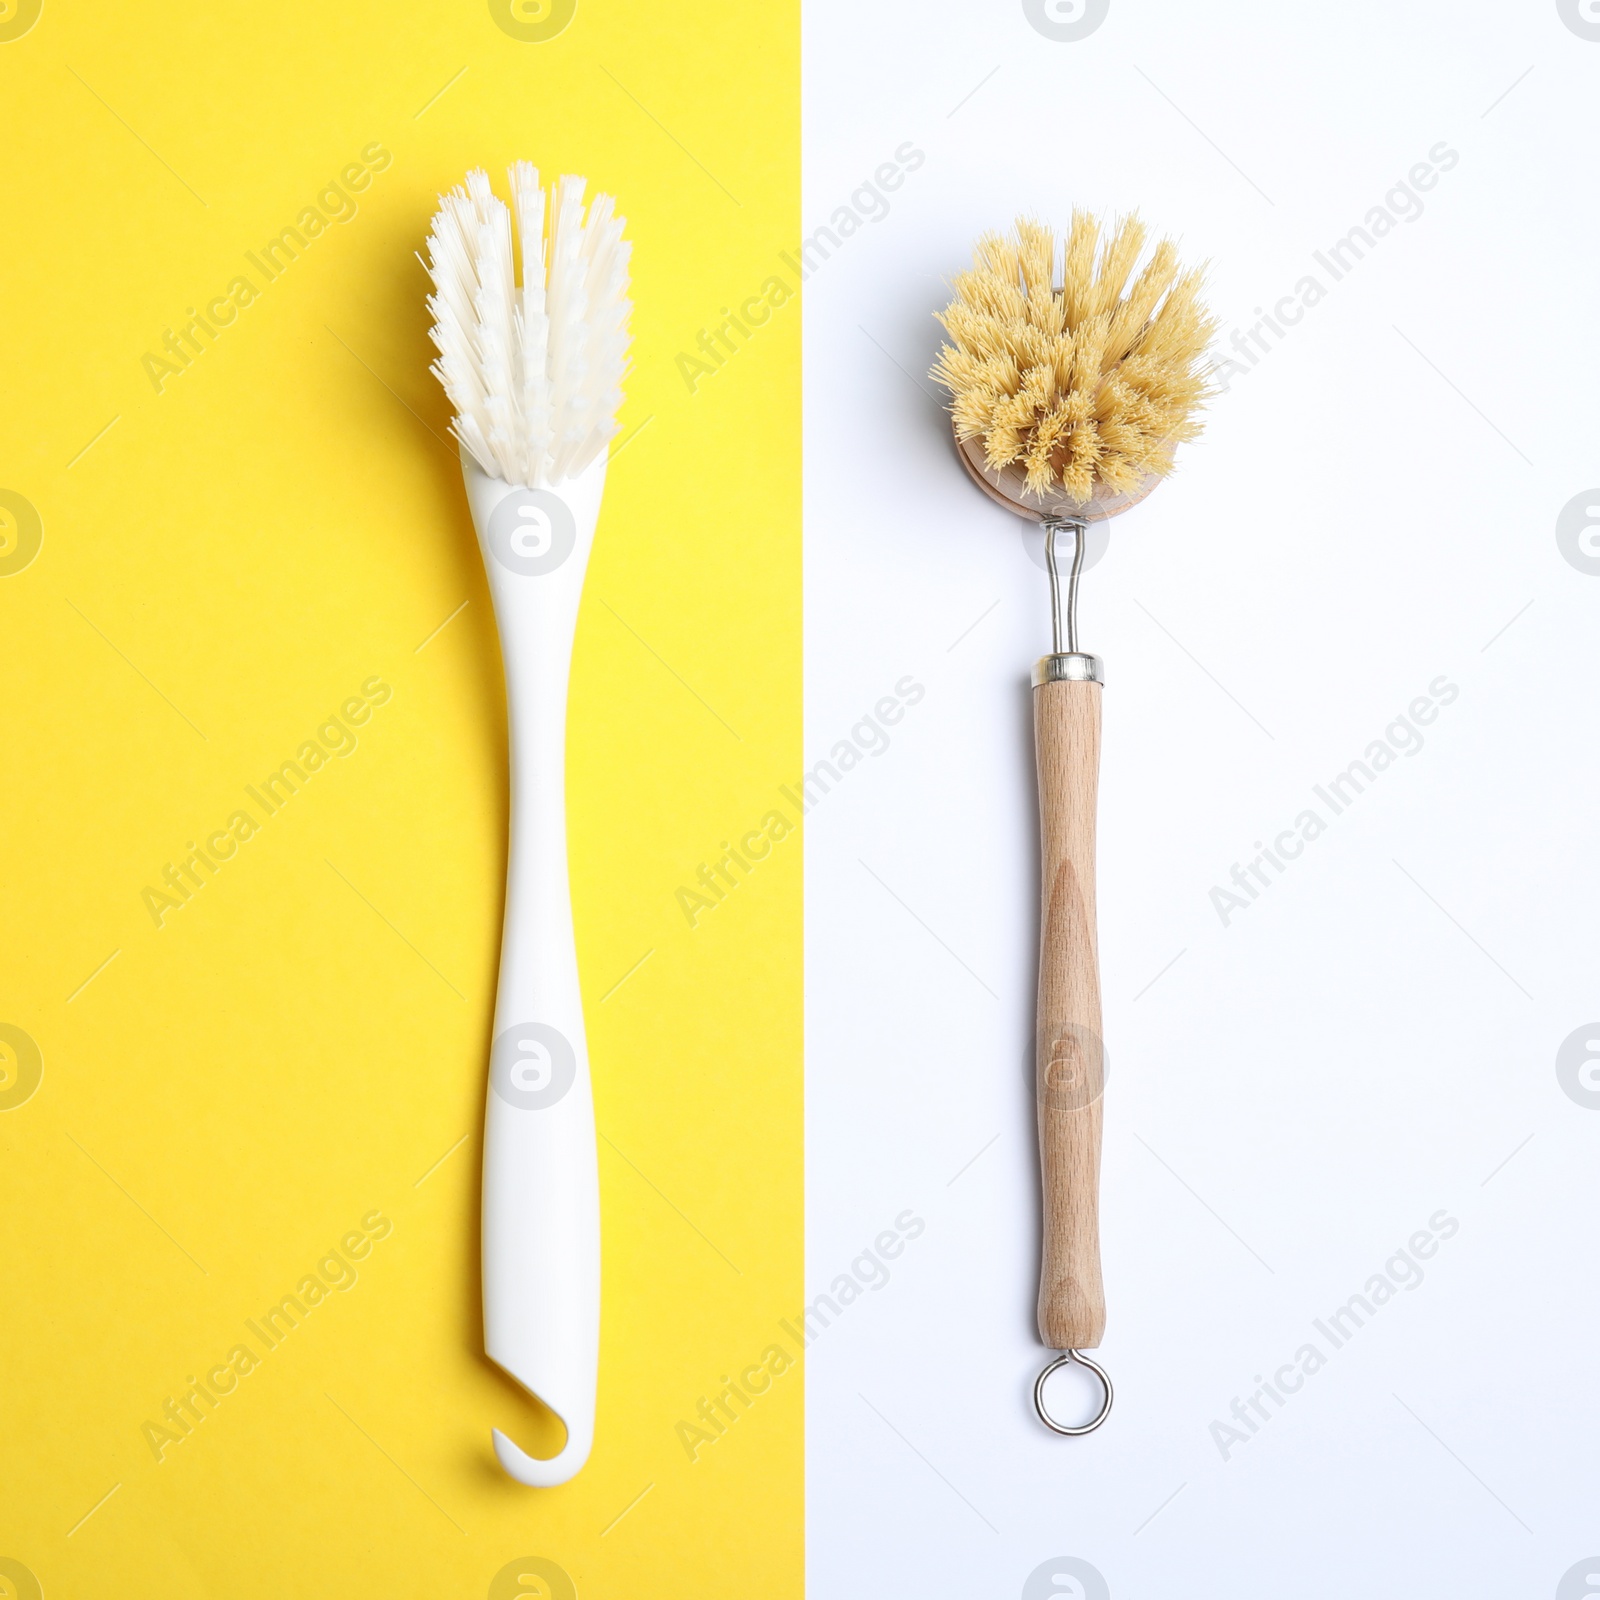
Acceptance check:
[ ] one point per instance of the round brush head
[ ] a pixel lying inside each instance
(1074, 373)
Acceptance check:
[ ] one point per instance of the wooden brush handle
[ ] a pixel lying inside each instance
(1071, 1059)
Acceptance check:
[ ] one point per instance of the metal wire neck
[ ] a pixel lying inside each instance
(1052, 526)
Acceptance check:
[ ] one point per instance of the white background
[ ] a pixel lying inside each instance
(1374, 1038)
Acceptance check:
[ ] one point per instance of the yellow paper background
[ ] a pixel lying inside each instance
(305, 1039)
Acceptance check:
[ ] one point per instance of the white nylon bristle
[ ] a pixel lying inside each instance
(534, 369)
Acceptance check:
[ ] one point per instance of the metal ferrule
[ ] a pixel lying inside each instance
(1068, 666)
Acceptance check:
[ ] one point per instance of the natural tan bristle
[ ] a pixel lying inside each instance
(1092, 384)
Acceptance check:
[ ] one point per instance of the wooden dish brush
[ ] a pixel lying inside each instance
(1073, 379)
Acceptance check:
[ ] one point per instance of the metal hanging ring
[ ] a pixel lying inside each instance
(1055, 1366)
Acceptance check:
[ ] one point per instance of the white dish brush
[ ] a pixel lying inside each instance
(534, 370)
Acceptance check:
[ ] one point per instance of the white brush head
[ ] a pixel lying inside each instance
(534, 368)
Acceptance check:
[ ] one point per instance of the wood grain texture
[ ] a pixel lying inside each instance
(1070, 1079)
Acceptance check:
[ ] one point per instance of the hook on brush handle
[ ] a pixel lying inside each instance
(1070, 1079)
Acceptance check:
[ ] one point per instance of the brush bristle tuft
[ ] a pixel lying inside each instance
(1089, 385)
(534, 368)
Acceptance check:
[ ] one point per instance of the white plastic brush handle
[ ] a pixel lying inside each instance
(541, 1191)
